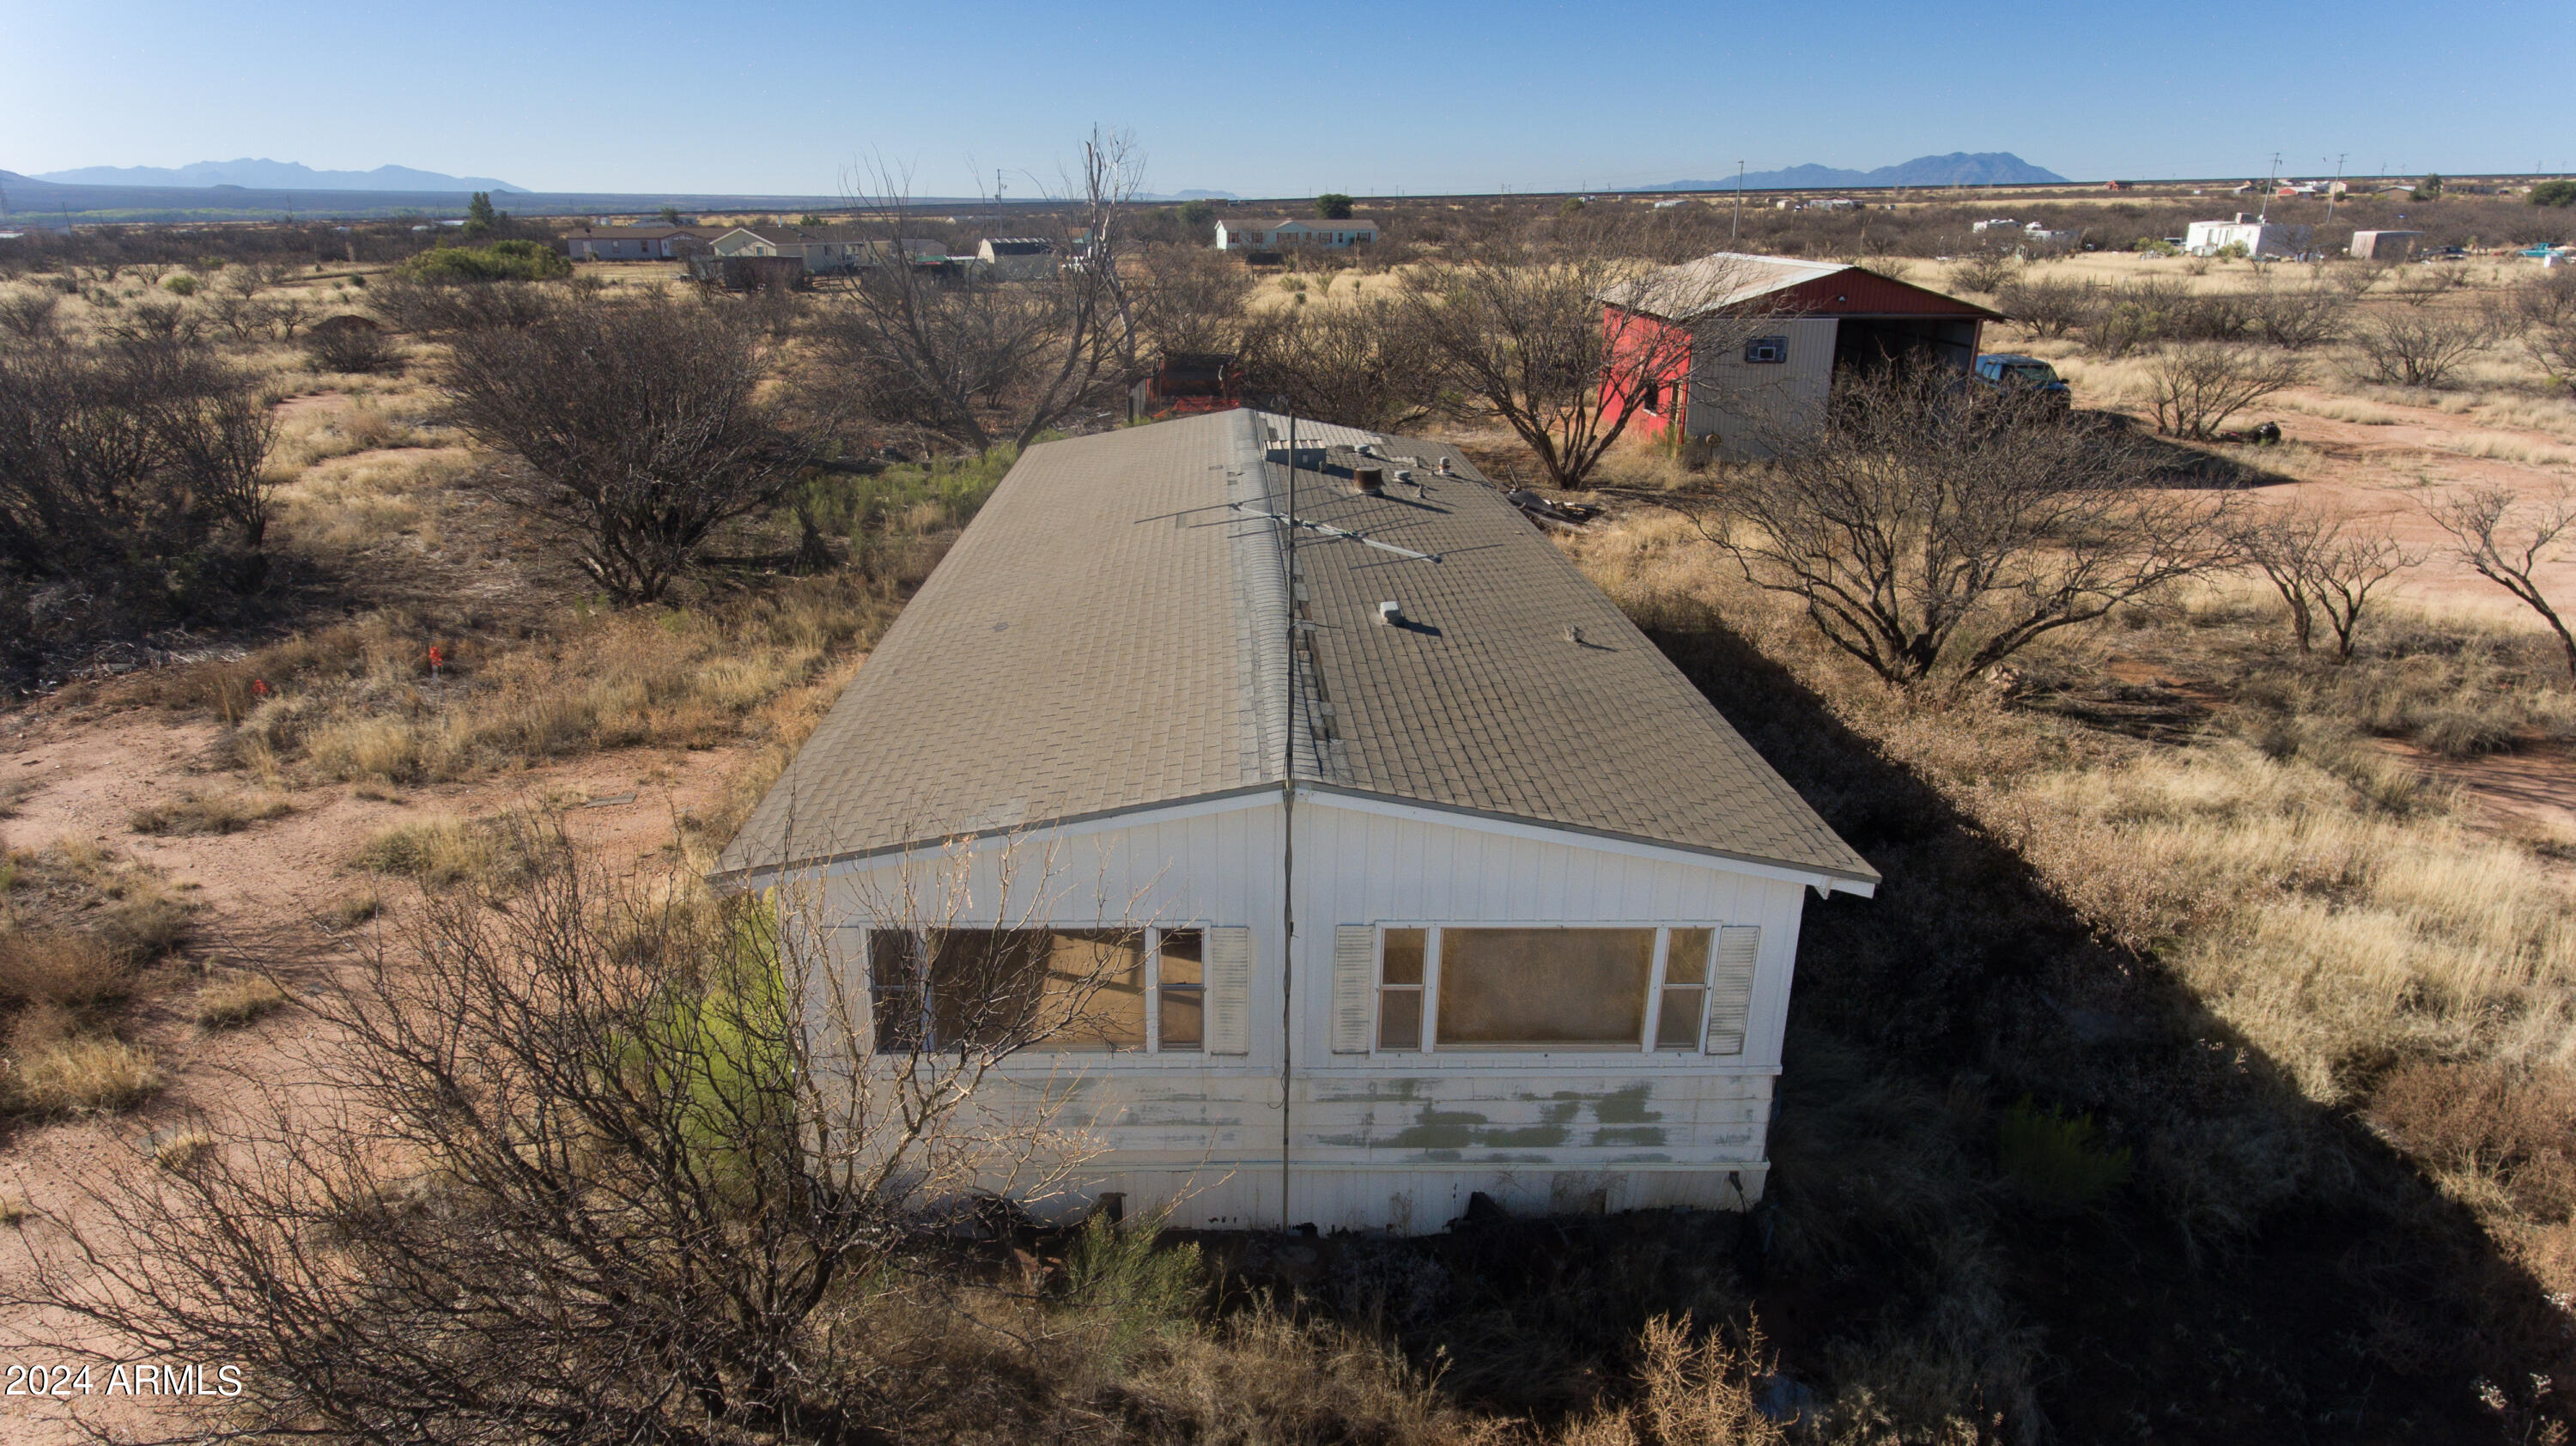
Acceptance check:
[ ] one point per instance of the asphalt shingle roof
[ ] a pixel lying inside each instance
(1111, 633)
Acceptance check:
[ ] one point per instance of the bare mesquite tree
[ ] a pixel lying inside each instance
(2419, 347)
(2322, 564)
(1516, 327)
(1928, 527)
(976, 359)
(2546, 309)
(1361, 364)
(2507, 537)
(613, 1164)
(1190, 299)
(134, 453)
(2197, 386)
(636, 428)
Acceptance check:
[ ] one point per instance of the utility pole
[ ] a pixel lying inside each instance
(1738, 222)
(2269, 186)
(2334, 192)
(997, 185)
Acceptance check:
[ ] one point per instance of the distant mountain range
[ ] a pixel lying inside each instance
(264, 175)
(1959, 168)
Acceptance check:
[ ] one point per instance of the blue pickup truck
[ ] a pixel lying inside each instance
(2004, 369)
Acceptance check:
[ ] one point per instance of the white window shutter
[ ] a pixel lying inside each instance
(1229, 991)
(1730, 987)
(1354, 987)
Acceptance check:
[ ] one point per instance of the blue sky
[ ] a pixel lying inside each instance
(1281, 99)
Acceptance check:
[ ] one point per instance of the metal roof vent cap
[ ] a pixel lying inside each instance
(1444, 466)
(1391, 614)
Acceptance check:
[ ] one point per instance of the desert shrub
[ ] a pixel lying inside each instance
(639, 429)
(2053, 1159)
(236, 1000)
(29, 315)
(2560, 192)
(1689, 1393)
(123, 468)
(64, 968)
(2296, 318)
(1137, 1289)
(425, 308)
(2418, 348)
(2048, 306)
(79, 1075)
(2513, 1126)
(494, 855)
(207, 813)
(499, 261)
(1987, 275)
(179, 283)
(2197, 386)
(357, 348)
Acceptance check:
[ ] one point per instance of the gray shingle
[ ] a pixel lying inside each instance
(1109, 635)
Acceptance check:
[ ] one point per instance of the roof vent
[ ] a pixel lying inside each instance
(1369, 479)
(1391, 614)
(1444, 466)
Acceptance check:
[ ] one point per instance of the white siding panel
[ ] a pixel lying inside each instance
(1375, 1141)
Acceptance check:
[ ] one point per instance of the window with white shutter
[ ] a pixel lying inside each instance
(1730, 987)
(1354, 987)
(1229, 991)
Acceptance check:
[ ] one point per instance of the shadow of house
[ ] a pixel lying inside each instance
(2271, 1271)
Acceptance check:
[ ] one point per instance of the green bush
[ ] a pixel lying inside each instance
(2052, 1159)
(1333, 206)
(2561, 192)
(179, 283)
(500, 261)
(1139, 1292)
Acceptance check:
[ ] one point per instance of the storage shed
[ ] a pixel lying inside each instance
(2383, 245)
(1426, 874)
(1737, 391)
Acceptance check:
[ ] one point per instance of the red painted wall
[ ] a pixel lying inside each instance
(1630, 341)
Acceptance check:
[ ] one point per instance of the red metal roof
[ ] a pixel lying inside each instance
(1854, 292)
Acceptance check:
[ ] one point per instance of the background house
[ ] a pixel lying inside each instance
(1017, 258)
(1234, 235)
(1737, 394)
(2383, 245)
(824, 249)
(1545, 900)
(635, 243)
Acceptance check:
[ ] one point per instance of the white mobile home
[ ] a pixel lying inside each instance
(2209, 238)
(1283, 235)
(1441, 879)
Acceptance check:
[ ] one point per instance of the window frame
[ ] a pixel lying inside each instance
(1644, 1046)
(926, 1006)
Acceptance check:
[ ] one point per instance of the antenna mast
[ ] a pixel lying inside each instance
(1288, 837)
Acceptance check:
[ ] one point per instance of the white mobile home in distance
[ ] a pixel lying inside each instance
(2208, 238)
(1444, 879)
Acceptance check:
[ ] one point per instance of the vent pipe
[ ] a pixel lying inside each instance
(1369, 479)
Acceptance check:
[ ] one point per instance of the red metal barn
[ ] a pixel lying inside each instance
(1671, 365)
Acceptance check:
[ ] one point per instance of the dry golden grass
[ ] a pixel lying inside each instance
(208, 813)
(359, 703)
(183, 1151)
(351, 910)
(237, 1000)
(82, 1074)
(496, 854)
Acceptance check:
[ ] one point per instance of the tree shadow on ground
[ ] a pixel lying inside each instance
(2268, 1269)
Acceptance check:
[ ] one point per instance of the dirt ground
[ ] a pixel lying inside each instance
(260, 897)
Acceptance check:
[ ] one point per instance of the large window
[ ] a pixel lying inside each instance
(1131, 990)
(1681, 989)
